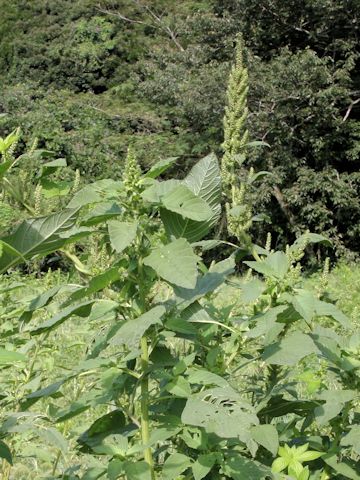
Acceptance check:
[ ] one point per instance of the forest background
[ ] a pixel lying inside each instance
(88, 78)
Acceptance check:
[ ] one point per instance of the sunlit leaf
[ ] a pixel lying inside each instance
(175, 263)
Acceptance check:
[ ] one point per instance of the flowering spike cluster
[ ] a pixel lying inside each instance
(77, 180)
(236, 135)
(37, 200)
(33, 146)
(131, 179)
(235, 131)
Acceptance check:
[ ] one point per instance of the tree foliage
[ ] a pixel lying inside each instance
(86, 77)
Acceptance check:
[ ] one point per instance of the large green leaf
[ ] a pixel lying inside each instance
(304, 304)
(335, 401)
(101, 213)
(205, 182)
(175, 262)
(278, 406)
(275, 265)
(307, 238)
(341, 468)
(81, 310)
(4, 167)
(265, 322)
(121, 234)
(137, 471)
(179, 387)
(206, 283)
(49, 167)
(267, 436)
(238, 467)
(352, 439)
(160, 167)
(110, 423)
(183, 201)
(52, 189)
(290, 350)
(100, 191)
(220, 411)
(39, 302)
(38, 236)
(203, 465)
(95, 285)
(174, 465)
(130, 332)
(7, 356)
(5, 452)
(329, 310)
(155, 192)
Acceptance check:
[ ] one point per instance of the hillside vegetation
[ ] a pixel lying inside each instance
(88, 78)
(179, 223)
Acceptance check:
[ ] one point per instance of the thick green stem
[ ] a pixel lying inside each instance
(144, 383)
(145, 431)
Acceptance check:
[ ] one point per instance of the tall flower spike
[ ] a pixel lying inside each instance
(236, 137)
(77, 180)
(131, 180)
(37, 200)
(235, 130)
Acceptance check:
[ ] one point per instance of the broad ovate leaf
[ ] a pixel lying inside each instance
(174, 465)
(266, 436)
(38, 236)
(275, 265)
(203, 465)
(5, 452)
(183, 201)
(204, 181)
(175, 262)
(239, 467)
(352, 439)
(101, 213)
(160, 167)
(121, 234)
(290, 350)
(131, 331)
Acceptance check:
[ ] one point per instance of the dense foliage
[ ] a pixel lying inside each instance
(122, 353)
(88, 77)
(171, 379)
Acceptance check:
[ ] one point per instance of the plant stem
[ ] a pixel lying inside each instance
(145, 433)
(144, 383)
(56, 462)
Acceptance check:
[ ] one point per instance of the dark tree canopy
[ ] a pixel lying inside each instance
(90, 77)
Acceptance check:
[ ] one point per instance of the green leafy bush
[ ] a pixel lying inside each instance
(192, 389)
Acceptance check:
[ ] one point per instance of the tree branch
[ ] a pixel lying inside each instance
(350, 107)
(157, 21)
